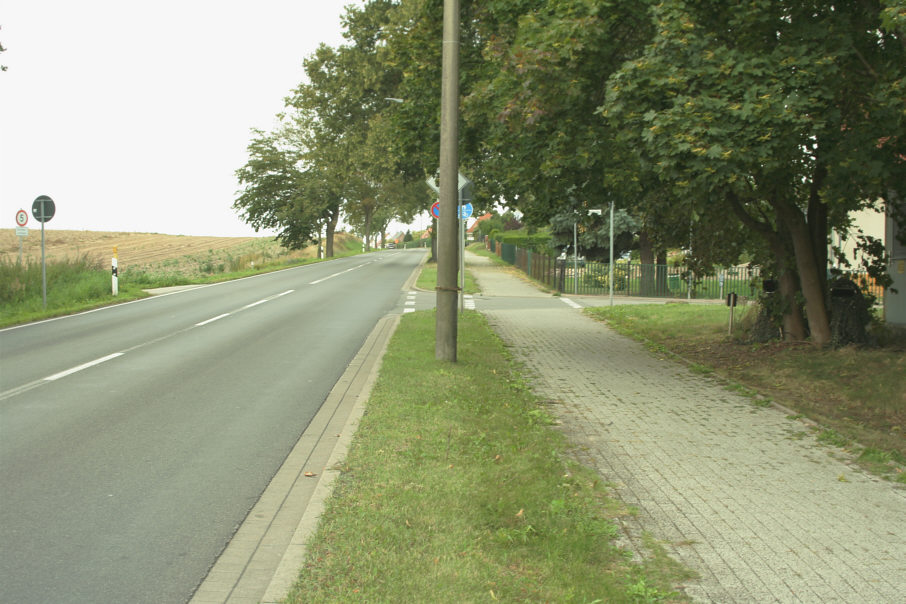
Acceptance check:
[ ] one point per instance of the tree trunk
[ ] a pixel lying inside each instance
(817, 225)
(369, 215)
(809, 276)
(331, 229)
(661, 262)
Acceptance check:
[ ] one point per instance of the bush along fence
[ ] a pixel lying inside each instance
(642, 280)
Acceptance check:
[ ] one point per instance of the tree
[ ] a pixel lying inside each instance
(543, 148)
(788, 115)
(277, 193)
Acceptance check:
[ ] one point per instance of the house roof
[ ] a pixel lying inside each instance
(477, 220)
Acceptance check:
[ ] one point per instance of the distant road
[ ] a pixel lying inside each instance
(135, 439)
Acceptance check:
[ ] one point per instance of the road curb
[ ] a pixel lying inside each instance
(288, 570)
(262, 560)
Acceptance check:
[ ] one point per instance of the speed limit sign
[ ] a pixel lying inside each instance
(21, 218)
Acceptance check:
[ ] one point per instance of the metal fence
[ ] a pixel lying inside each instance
(643, 280)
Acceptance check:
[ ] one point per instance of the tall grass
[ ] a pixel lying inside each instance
(83, 283)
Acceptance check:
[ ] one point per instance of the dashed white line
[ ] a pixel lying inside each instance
(337, 274)
(63, 374)
(569, 302)
(217, 318)
(254, 304)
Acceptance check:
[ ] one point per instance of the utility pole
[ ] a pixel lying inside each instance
(447, 246)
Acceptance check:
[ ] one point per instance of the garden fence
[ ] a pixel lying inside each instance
(642, 280)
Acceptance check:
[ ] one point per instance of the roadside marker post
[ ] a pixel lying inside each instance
(731, 302)
(116, 280)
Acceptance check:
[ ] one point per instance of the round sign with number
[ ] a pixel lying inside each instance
(21, 218)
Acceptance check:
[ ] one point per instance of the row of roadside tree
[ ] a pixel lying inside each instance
(726, 128)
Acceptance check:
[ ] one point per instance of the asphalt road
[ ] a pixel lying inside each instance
(135, 439)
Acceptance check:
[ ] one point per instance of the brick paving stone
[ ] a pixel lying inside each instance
(732, 490)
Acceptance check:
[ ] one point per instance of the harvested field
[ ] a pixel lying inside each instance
(186, 255)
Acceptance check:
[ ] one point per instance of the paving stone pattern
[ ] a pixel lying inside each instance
(741, 494)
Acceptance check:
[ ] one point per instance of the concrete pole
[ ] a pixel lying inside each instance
(447, 248)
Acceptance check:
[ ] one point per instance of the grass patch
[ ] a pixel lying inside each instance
(857, 394)
(75, 285)
(455, 490)
(427, 279)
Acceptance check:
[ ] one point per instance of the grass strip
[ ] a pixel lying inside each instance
(76, 285)
(456, 489)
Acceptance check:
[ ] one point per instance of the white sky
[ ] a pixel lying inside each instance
(134, 115)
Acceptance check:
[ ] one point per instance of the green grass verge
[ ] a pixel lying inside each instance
(79, 285)
(427, 279)
(456, 489)
(858, 395)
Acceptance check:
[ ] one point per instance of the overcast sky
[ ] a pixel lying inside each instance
(134, 115)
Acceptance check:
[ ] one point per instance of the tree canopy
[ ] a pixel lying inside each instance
(727, 128)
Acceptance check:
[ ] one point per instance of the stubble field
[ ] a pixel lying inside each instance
(151, 252)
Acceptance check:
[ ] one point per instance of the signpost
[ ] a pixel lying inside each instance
(21, 229)
(464, 186)
(43, 210)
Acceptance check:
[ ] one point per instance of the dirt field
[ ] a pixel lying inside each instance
(148, 251)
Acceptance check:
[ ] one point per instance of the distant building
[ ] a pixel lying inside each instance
(881, 226)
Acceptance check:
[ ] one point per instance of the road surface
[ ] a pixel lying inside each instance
(135, 439)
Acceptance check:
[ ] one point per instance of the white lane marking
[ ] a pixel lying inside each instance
(217, 318)
(289, 291)
(32, 385)
(338, 274)
(405, 310)
(63, 374)
(469, 302)
(569, 302)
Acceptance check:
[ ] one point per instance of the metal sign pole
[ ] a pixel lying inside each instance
(43, 259)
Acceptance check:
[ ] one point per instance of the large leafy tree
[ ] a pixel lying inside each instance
(543, 147)
(787, 115)
(277, 192)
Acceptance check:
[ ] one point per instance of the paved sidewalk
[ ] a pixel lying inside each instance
(741, 494)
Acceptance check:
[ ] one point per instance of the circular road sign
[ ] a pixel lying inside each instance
(21, 218)
(43, 208)
(435, 209)
(466, 211)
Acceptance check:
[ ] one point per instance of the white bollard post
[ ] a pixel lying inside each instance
(116, 285)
